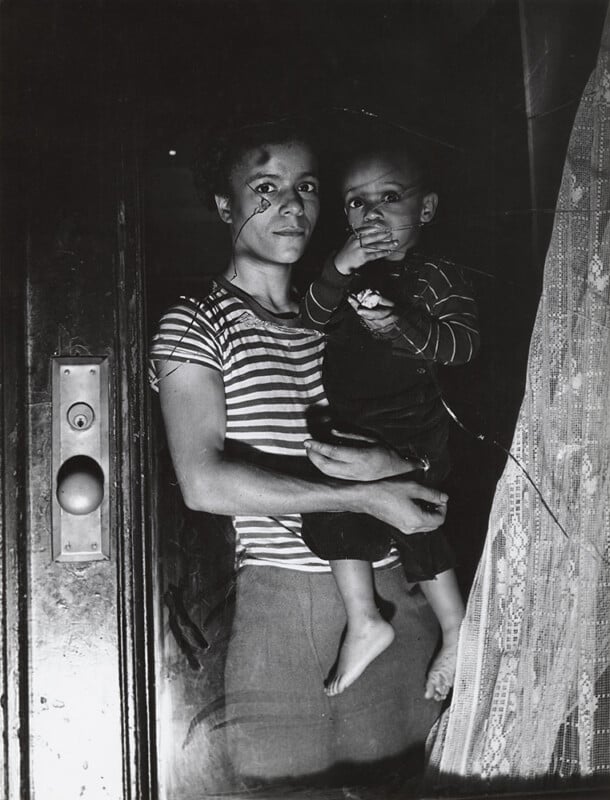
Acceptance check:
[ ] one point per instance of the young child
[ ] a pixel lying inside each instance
(390, 316)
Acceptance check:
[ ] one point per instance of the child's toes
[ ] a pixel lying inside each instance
(431, 689)
(436, 688)
(441, 692)
(442, 673)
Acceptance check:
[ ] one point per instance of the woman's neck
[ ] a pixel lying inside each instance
(269, 284)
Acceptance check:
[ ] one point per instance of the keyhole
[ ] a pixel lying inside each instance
(80, 416)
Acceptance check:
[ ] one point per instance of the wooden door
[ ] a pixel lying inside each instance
(75, 632)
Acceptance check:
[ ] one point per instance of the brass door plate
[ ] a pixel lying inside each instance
(80, 454)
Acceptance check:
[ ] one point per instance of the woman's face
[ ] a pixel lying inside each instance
(274, 203)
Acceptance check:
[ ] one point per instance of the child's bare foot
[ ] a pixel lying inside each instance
(360, 647)
(442, 672)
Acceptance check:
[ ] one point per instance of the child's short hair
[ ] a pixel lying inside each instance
(392, 141)
(221, 150)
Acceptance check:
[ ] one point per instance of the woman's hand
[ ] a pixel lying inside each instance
(367, 461)
(402, 503)
(406, 505)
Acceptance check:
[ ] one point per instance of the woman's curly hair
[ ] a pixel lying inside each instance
(222, 149)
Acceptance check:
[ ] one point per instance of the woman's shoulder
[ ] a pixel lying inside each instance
(192, 330)
(210, 305)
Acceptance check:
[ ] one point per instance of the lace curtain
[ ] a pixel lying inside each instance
(532, 695)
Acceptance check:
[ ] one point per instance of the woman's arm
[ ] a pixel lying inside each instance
(193, 407)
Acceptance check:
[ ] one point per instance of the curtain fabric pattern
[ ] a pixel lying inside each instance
(532, 693)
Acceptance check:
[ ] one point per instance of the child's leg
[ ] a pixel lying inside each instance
(444, 597)
(367, 634)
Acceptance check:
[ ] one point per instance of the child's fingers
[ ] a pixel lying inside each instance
(373, 255)
(375, 235)
(384, 302)
(378, 241)
(382, 310)
(371, 228)
(368, 245)
(376, 314)
(375, 251)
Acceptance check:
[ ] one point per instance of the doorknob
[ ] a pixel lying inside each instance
(80, 485)
(81, 463)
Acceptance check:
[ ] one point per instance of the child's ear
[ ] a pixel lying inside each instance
(428, 207)
(223, 204)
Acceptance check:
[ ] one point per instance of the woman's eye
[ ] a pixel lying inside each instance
(391, 197)
(307, 187)
(355, 202)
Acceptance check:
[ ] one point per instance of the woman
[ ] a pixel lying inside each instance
(239, 382)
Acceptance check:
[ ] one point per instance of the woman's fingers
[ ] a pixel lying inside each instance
(399, 503)
(370, 461)
(329, 459)
(347, 462)
(428, 495)
(413, 464)
(431, 520)
(336, 452)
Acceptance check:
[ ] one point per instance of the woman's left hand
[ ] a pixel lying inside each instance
(369, 461)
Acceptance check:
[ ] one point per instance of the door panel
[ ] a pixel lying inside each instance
(79, 714)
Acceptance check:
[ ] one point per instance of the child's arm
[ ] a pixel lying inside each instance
(324, 296)
(441, 326)
(326, 293)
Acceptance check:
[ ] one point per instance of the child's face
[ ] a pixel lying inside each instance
(386, 191)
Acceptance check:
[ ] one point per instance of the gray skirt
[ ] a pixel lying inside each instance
(280, 725)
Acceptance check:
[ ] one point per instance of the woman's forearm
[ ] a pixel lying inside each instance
(236, 488)
(227, 486)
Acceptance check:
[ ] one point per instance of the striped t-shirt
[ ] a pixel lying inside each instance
(271, 370)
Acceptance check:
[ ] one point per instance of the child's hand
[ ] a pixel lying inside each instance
(367, 244)
(375, 319)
